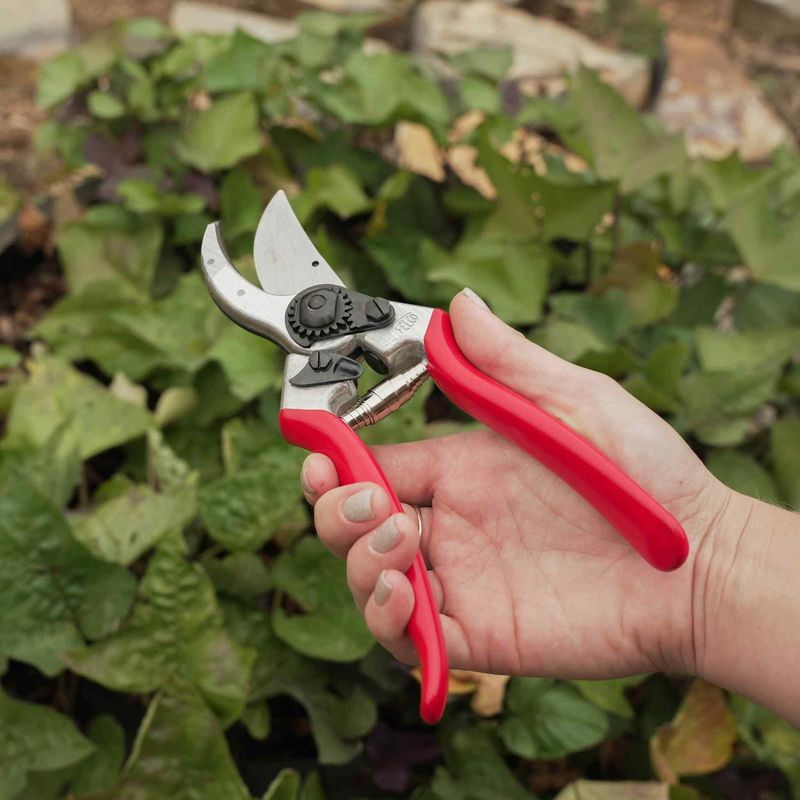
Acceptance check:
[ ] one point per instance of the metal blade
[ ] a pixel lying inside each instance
(286, 260)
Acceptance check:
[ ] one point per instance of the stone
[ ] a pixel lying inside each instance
(789, 8)
(188, 16)
(35, 28)
(356, 6)
(709, 98)
(543, 50)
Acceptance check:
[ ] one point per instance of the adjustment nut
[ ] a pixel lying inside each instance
(378, 309)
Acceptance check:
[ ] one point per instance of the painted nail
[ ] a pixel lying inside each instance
(467, 292)
(383, 590)
(385, 537)
(358, 507)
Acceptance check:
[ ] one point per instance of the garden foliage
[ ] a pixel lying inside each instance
(169, 626)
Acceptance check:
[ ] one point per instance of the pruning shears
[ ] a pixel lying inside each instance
(328, 330)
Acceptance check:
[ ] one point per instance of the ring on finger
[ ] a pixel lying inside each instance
(419, 522)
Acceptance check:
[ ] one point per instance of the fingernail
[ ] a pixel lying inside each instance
(383, 590)
(385, 537)
(358, 507)
(467, 292)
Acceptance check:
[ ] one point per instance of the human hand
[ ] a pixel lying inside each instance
(529, 578)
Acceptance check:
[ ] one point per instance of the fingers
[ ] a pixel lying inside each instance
(410, 469)
(387, 614)
(393, 545)
(344, 514)
(506, 355)
(388, 611)
(317, 476)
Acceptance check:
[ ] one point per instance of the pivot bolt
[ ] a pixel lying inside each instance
(378, 309)
(320, 360)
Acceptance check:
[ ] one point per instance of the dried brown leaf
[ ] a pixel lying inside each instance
(699, 739)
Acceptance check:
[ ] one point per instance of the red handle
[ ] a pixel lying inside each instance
(647, 525)
(326, 433)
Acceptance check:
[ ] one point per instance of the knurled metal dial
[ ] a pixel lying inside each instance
(319, 312)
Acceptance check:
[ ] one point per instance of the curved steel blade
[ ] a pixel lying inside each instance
(286, 260)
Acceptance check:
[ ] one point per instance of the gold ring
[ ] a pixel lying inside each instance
(419, 521)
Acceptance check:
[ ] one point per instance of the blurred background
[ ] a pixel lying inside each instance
(619, 179)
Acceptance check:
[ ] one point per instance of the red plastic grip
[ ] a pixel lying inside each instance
(646, 524)
(323, 432)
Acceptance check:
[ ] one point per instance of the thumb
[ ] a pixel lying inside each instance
(507, 356)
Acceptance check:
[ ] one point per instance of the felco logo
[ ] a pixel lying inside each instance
(406, 322)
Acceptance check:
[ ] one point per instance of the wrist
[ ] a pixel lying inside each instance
(746, 602)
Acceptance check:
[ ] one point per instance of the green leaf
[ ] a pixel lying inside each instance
(767, 237)
(637, 272)
(180, 752)
(331, 627)
(123, 528)
(608, 315)
(244, 510)
(785, 451)
(528, 203)
(241, 203)
(621, 145)
(772, 739)
(245, 64)
(34, 738)
(179, 328)
(286, 786)
(727, 179)
(382, 87)
(735, 352)
(55, 592)
(569, 340)
(337, 718)
(173, 404)
(765, 307)
(100, 770)
(511, 277)
(337, 188)
(105, 105)
(238, 574)
(58, 397)
(250, 364)
(54, 467)
(489, 62)
(257, 718)
(10, 201)
(405, 257)
(222, 135)
(145, 197)
(477, 770)
(717, 405)
(546, 720)
(616, 790)
(665, 366)
(59, 78)
(610, 695)
(744, 474)
(480, 95)
(123, 257)
(175, 629)
(82, 327)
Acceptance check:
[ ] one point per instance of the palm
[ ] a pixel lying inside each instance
(534, 579)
